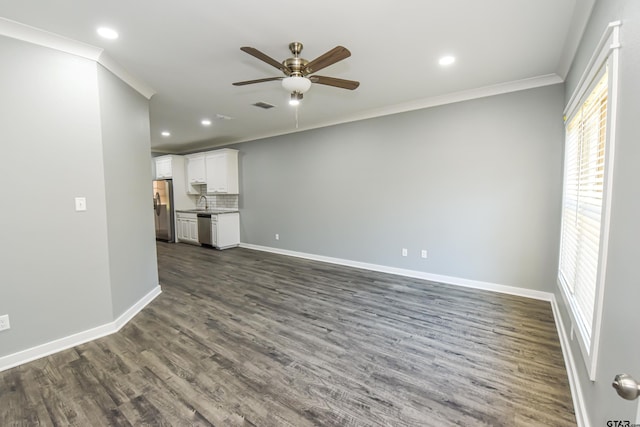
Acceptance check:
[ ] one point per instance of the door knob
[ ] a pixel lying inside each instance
(627, 387)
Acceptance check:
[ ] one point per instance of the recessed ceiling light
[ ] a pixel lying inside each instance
(206, 122)
(165, 133)
(107, 33)
(447, 60)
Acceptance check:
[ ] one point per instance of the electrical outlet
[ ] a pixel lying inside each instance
(404, 251)
(4, 322)
(423, 254)
(277, 236)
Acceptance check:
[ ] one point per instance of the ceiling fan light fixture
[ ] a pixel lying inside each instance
(296, 97)
(296, 84)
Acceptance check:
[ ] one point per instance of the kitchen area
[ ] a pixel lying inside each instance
(195, 198)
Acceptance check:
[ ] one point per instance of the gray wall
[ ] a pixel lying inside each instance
(475, 183)
(619, 344)
(54, 263)
(66, 125)
(124, 115)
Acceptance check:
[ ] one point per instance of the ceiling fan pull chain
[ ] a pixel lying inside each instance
(296, 117)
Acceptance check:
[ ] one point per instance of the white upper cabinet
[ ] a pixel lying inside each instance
(222, 171)
(195, 169)
(196, 174)
(163, 167)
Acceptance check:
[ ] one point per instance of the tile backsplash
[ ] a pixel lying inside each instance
(218, 201)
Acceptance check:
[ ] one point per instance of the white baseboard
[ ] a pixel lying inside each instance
(46, 349)
(487, 286)
(579, 407)
(136, 308)
(574, 381)
(12, 360)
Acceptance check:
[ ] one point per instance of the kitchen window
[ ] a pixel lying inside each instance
(588, 165)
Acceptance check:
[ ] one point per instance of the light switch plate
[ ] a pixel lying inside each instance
(81, 204)
(4, 322)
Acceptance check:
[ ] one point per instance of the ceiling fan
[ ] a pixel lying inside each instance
(298, 70)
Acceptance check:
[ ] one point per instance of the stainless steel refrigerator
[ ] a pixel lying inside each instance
(163, 209)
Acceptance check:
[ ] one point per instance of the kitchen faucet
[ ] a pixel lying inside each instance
(206, 201)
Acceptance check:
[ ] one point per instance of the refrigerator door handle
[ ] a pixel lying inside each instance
(156, 204)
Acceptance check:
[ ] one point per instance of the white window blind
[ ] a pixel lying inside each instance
(583, 195)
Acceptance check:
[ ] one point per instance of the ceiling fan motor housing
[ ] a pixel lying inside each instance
(296, 65)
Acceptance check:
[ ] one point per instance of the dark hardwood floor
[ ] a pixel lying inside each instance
(246, 338)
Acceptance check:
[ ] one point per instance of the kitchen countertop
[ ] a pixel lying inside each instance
(208, 211)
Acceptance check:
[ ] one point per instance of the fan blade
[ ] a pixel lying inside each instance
(332, 81)
(336, 54)
(269, 60)
(249, 82)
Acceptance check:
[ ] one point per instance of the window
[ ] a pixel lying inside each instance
(582, 202)
(586, 188)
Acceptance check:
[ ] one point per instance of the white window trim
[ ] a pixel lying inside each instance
(606, 53)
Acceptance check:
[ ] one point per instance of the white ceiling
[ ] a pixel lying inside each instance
(189, 53)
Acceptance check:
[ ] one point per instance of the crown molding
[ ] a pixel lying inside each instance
(19, 31)
(434, 101)
(33, 35)
(466, 95)
(110, 64)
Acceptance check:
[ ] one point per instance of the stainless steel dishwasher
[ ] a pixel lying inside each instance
(204, 229)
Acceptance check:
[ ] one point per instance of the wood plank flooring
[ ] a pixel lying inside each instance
(246, 338)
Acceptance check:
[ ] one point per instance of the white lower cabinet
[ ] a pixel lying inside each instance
(187, 227)
(214, 231)
(225, 230)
